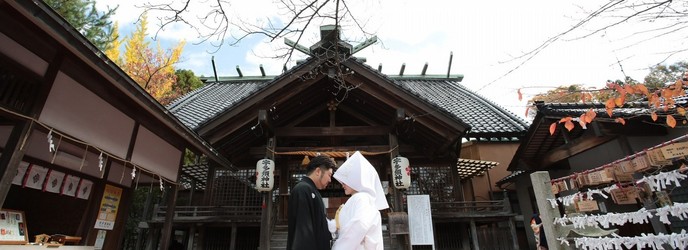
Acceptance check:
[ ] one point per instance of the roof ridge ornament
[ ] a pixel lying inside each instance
(330, 43)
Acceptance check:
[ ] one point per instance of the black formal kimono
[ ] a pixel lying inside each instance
(307, 218)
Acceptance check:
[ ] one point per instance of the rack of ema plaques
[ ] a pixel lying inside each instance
(645, 178)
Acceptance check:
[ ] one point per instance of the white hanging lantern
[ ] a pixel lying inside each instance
(265, 177)
(401, 172)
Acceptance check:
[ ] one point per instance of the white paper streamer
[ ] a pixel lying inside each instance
(642, 216)
(674, 240)
(656, 182)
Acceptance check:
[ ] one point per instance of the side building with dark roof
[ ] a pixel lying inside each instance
(604, 144)
(333, 103)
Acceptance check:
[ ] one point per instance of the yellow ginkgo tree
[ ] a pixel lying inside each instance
(152, 67)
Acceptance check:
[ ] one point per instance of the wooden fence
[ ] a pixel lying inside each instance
(210, 213)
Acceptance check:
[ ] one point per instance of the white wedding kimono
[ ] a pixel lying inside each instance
(359, 218)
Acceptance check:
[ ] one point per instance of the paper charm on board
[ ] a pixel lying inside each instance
(84, 189)
(54, 182)
(35, 177)
(21, 172)
(70, 185)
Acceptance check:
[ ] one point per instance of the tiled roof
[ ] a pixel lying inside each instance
(629, 109)
(206, 102)
(487, 119)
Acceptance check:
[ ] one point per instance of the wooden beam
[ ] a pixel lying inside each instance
(305, 116)
(333, 131)
(403, 149)
(216, 129)
(573, 148)
(356, 114)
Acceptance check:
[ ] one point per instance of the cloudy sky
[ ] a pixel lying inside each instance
(484, 37)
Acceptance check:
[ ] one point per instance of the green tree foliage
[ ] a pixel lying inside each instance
(187, 81)
(84, 17)
(662, 75)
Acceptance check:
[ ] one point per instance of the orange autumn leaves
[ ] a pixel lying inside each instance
(659, 100)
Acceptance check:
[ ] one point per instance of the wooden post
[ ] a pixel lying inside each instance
(465, 237)
(543, 191)
(403, 241)
(11, 157)
(167, 227)
(474, 236)
(190, 240)
(512, 227)
(266, 217)
(232, 243)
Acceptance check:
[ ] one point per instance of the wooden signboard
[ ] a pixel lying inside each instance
(13, 227)
(420, 220)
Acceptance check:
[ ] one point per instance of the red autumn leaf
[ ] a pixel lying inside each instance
(654, 116)
(520, 96)
(590, 115)
(610, 103)
(582, 120)
(610, 111)
(569, 125)
(552, 128)
(671, 121)
(620, 101)
(620, 120)
(681, 111)
(642, 89)
(629, 89)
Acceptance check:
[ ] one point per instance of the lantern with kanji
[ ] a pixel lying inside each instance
(401, 172)
(265, 177)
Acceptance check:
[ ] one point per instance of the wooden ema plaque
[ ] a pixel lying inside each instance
(622, 176)
(656, 158)
(587, 206)
(641, 163)
(679, 149)
(624, 196)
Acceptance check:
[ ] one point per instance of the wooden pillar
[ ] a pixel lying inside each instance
(403, 241)
(12, 156)
(543, 191)
(201, 237)
(465, 237)
(191, 236)
(512, 226)
(266, 215)
(474, 236)
(168, 226)
(144, 216)
(209, 184)
(232, 243)
(153, 237)
(283, 191)
(457, 190)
